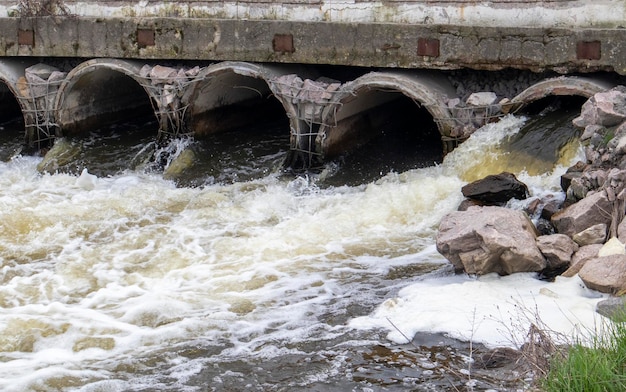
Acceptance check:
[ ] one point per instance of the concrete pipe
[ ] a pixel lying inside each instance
(563, 86)
(231, 95)
(100, 92)
(15, 99)
(356, 113)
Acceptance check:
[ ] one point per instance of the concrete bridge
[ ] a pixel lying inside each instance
(335, 68)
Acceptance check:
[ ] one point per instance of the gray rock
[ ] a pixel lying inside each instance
(62, 154)
(595, 234)
(621, 231)
(579, 259)
(496, 189)
(41, 71)
(590, 130)
(613, 308)
(483, 240)
(592, 210)
(484, 98)
(606, 109)
(605, 274)
(551, 206)
(557, 249)
(180, 164)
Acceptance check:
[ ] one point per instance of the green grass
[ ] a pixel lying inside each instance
(599, 366)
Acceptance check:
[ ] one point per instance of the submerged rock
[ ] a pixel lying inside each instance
(63, 153)
(180, 164)
(482, 240)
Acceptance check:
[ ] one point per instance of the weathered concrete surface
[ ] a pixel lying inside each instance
(368, 43)
(511, 13)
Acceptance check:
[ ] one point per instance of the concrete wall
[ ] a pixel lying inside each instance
(505, 13)
(562, 36)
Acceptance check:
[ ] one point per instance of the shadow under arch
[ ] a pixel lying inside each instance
(358, 113)
(241, 123)
(106, 116)
(100, 92)
(230, 95)
(14, 105)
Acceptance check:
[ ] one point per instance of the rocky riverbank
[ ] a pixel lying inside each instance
(581, 233)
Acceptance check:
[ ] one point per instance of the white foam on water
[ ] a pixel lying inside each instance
(99, 277)
(96, 270)
(493, 310)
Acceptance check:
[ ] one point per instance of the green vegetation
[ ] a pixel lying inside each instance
(599, 366)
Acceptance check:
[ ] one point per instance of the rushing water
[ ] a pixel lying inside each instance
(126, 282)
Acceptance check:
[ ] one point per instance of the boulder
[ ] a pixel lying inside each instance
(592, 210)
(606, 109)
(40, 70)
(595, 234)
(612, 247)
(579, 259)
(484, 98)
(591, 130)
(578, 189)
(618, 143)
(557, 249)
(185, 160)
(605, 274)
(621, 231)
(550, 207)
(62, 154)
(571, 173)
(482, 240)
(613, 308)
(496, 189)
(467, 203)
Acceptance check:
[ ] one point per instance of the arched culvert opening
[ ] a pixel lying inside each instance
(108, 116)
(231, 96)
(385, 122)
(564, 90)
(549, 137)
(240, 126)
(12, 137)
(551, 103)
(15, 102)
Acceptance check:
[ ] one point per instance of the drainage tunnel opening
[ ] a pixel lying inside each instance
(550, 103)
(101, 98)
(12, 137)
(108, 124)
(229, 101)
(548, 137)
(241, 131)
(393, 134)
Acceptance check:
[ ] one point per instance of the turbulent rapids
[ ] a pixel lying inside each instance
(254, 279)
